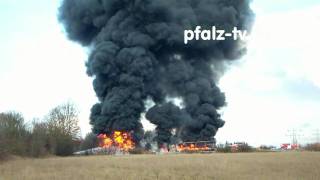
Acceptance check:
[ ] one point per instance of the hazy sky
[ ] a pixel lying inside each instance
(274, 88)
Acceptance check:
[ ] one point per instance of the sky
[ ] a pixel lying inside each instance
(273, 89)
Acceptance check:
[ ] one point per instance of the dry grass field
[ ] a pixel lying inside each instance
(246, 166)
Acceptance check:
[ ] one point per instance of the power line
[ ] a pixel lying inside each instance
(294, 134)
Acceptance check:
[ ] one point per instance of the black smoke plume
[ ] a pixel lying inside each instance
(138, 54)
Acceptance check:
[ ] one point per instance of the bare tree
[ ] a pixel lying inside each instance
(13, 133)
(39, 145)
(63, 128)
(58, 134)
(64, 118)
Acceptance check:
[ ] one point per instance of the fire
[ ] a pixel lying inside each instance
(118, 139)
(192, 147)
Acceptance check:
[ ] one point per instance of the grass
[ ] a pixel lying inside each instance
(246, 166)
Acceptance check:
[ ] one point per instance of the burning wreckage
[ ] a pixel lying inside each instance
(139, 63)
(121, 143)
(117, 143)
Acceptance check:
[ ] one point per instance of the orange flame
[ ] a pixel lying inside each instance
(121, 140)
(192, 147)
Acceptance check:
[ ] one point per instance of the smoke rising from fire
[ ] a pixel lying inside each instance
(138, 54)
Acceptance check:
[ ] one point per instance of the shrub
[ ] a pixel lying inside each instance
(64, 145)
(313, 147)
(13, 134)
(89, 142)
(224, 148)
(245, 148)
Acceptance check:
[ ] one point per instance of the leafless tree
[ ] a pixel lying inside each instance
(63, 128)
(64, 118)
(39, 145)
(13, 133)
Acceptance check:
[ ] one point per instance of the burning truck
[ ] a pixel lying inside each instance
(140, 64)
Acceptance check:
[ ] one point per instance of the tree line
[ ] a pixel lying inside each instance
(58, 133)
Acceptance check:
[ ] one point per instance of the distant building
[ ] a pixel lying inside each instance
(235, 146)
(288, 146)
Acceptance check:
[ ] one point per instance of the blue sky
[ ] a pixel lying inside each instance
(20, 20)
(274, 88)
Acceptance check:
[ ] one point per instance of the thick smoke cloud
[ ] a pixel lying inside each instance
(138, 54)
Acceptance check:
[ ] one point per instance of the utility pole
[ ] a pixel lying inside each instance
(293, 134)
